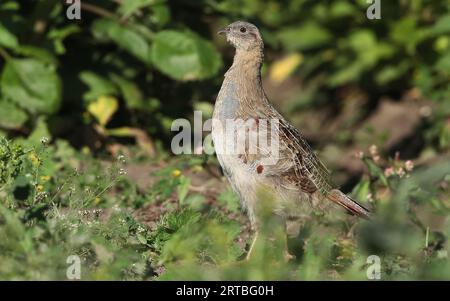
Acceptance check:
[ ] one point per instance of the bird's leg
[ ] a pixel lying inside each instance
(287, 256)
(252, 246)
(284, 236)
(273, 236)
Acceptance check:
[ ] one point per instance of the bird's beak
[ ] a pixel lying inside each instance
(224, 30)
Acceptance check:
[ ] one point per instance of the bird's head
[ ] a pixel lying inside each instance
(243, 35)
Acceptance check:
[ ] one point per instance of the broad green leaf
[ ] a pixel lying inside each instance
(442, 44)
(206, 108)
(342, 9)
(345, 75)
(443, 64)
(367, 52)
(98, 86)
(11, 116)
(130, 92)
(442, 25)
(307, 36)
(32, 85)
(38, 53)
(125, 37)
(406, 32)
(103, 109)
(184, 56)
(391, 72)
(160, 14)
(362, 190)
(7, 39)
(129, 7)
(10, 5)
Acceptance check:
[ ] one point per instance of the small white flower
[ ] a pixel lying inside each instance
(359, 154)
(373, 149)
(400, 172)
(121, 159)
(409, 165)
(44, 140)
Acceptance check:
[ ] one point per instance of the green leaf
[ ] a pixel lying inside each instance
(126, 38)
(160, 14)
(391, 72)
(205, 107)
(183, 188)
(7, 39)
(367, 52)
(406, 32)
(98, 86)
(195, 202)
(362, 190)
(129, 7)
(442, 44)
(57, 35)
(184, 56)
(32, 85)
(10, 5)
(442, 25)
(346, 75)
(376, 171)
(307, 36)
(230, 200)
(40, 131)
(40, 54)
(130, 92)
(342, 9)
(11, 116)
(443, 64)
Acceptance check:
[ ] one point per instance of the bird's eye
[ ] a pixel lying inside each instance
(243, 29)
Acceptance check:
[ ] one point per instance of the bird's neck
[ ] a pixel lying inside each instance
(245, 76)
(247, 63)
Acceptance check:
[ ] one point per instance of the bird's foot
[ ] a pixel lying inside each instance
(288, 257)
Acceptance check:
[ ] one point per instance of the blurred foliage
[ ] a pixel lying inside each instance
(57, 202)
(156, 58)
(73, 92)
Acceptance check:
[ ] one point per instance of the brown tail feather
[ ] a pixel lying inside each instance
(351, 205)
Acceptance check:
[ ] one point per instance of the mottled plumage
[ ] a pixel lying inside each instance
(298, 177)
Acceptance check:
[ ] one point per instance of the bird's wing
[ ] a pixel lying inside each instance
(306, 171)
(297, 164)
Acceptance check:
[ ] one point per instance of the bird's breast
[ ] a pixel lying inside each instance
(227, 103)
